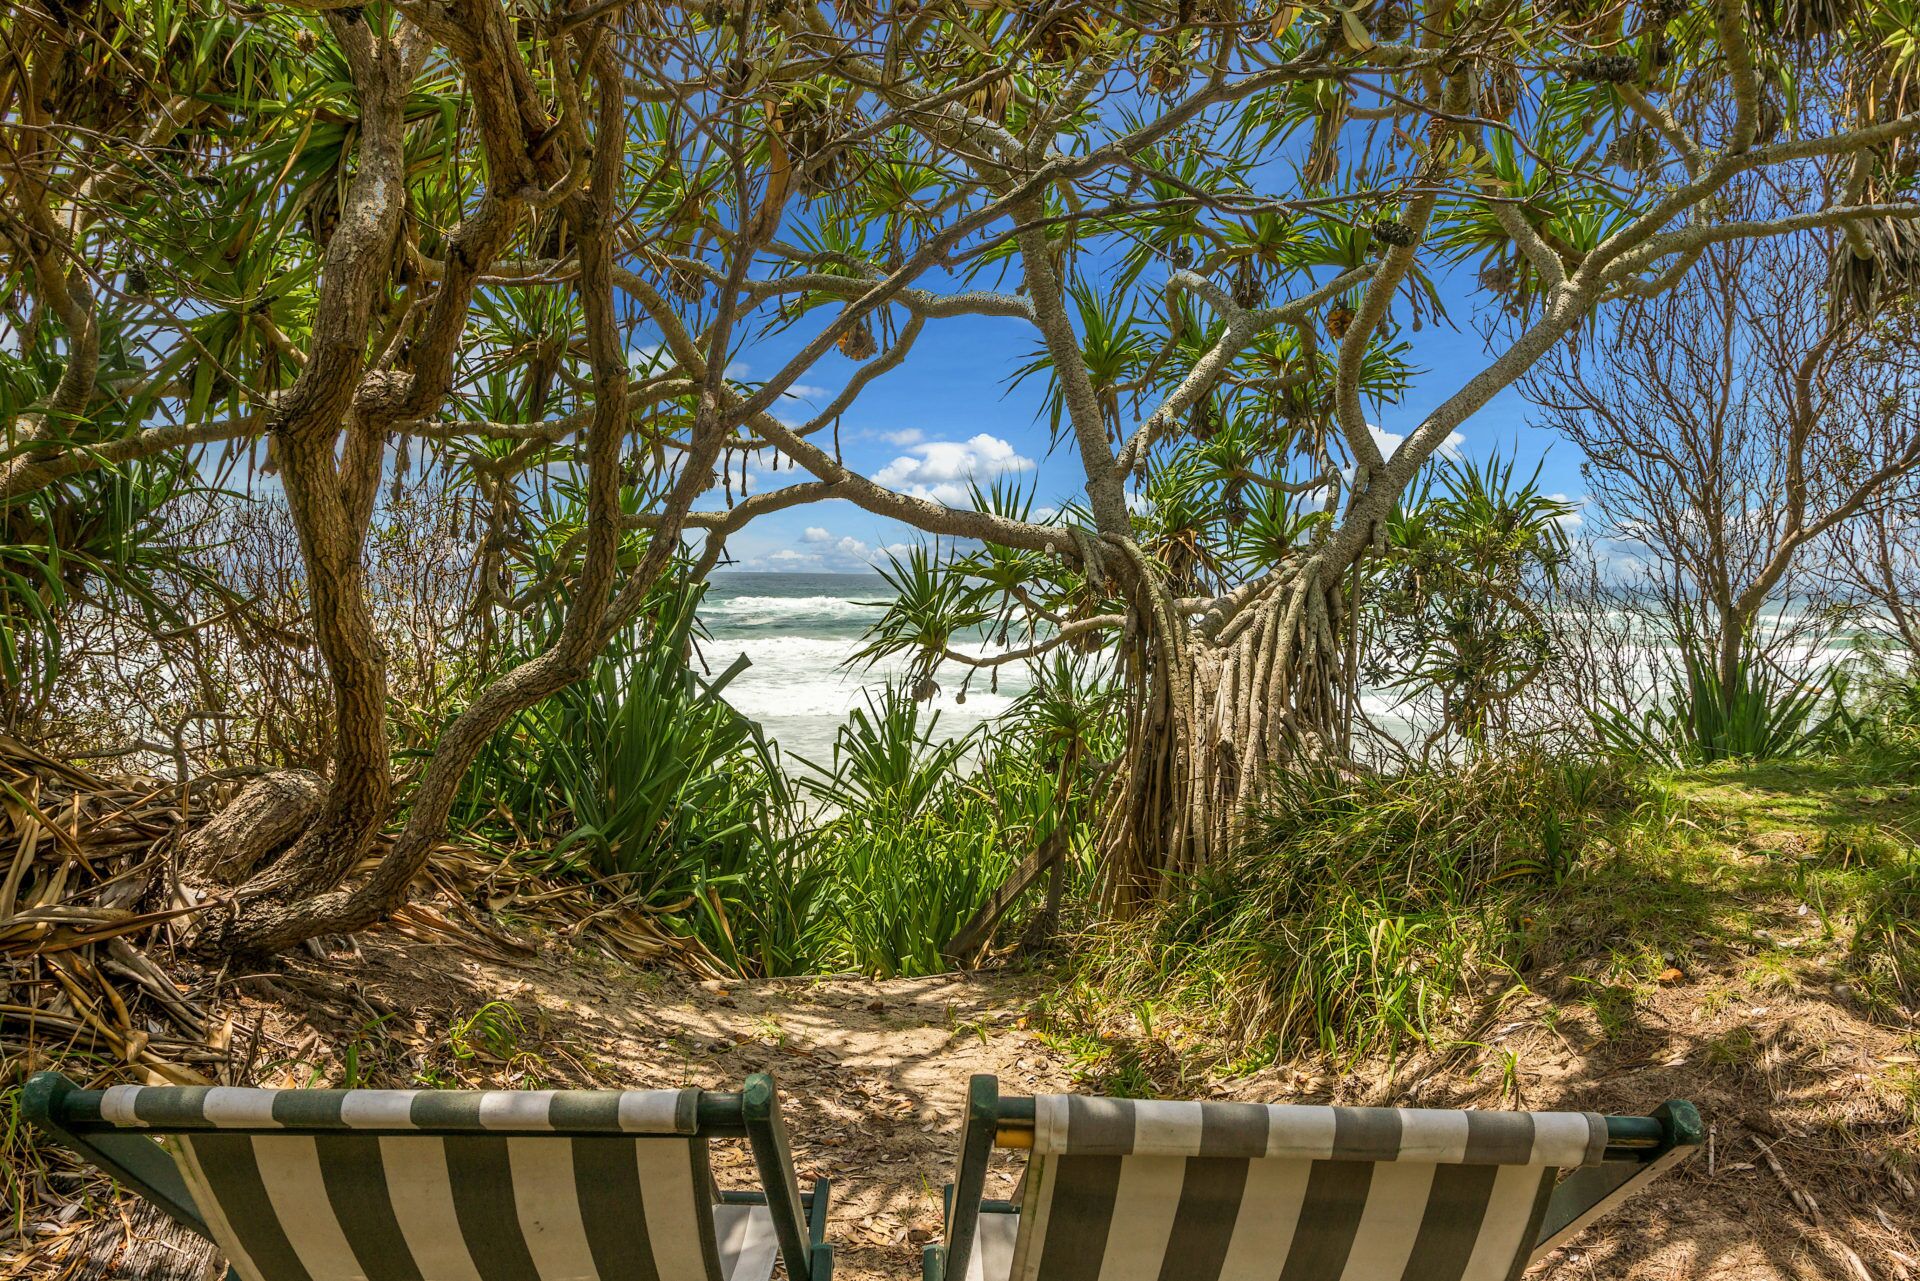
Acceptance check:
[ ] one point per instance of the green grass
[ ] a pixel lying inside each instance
(1360, 912)
(1368, 915)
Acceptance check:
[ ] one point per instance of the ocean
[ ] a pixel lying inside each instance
(798, 632)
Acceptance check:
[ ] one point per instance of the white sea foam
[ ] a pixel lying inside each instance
(750, 610)
(800, 691)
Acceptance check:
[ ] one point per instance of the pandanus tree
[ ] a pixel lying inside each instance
(525, 241)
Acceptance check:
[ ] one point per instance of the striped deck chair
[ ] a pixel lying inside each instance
(446, 1185)
(1117, 1190)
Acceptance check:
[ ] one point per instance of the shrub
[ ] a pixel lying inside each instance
(916, 832)
(1359, 909)
(1760, 716)
(644, 780)
(1882, 734)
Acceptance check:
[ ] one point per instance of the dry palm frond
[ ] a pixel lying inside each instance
(803, 135)
(1203, 421)
(1891, 271)
(1637, 149)
(1323, 149)
(91, 983)
(1062, 35)
(990, 101)
(1805, 21)
(1499, 90)
(1248, 290)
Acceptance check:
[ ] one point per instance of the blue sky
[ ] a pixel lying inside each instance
(948, 411)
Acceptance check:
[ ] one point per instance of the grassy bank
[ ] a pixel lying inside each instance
(1373, 918)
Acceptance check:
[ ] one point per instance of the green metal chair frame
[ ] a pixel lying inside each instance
(72, 1117)
(1639, 1150)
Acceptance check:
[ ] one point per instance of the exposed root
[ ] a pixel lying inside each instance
(1210, 719)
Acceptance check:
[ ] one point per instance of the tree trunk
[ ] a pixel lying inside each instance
(265, 817)
(1222, 706)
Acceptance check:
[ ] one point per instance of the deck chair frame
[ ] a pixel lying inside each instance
(72, 1117)
(1639, 1149)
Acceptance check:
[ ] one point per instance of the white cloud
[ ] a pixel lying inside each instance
(941, 469)
(766, 469)
(823, 550)
(1388, 442)
(862, 553)
(904, 437)
(1571, 521)
(800, 395)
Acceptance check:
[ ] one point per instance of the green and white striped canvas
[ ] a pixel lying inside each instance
(433, 1185)
(1118, 1190)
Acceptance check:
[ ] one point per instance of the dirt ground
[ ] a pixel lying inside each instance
(1796, 1183)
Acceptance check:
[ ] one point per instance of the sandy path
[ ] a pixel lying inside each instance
(873, 1078)
(873, 1075)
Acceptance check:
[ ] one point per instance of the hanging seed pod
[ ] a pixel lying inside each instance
(1611, 68)
(1339, 320)
(1166, 71)
(1499, 277)
(1636, 149)
(1204, 420)
(137, 284)
(1181, 256)
(1391, 231)
(1248, 289)
(925, 690)
(1388, 20)
(857, 343)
